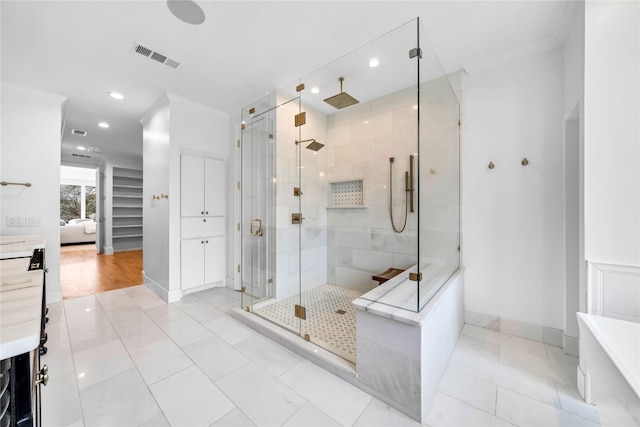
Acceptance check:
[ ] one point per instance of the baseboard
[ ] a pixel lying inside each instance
(531, 331)
(571, 345)
(108, 250)
(54, 296)
(581, 377)
(158, 289)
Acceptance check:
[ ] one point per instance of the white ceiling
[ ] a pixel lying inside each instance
(244, 49)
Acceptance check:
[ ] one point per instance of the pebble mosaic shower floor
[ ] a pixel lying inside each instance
(326, 325)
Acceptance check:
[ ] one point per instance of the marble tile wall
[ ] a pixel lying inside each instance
(361, 139)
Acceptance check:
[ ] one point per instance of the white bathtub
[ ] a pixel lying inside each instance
(609, 368)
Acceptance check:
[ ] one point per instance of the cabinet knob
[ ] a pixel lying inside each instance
(202, 241)
(207, 212)
(204, 220)
(201, 212)
(206, 241)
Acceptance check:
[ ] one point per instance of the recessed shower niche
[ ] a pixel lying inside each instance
(346, 194)
(327, 162)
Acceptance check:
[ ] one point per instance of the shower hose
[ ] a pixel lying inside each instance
(406, 200)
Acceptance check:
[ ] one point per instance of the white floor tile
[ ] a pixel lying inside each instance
(380, 414)
(340, 400)
(264, 399)
(524, 411)
(558, 355)
(90, 329)
(235, 418)
(509, 377)
(447, 411)
(310, 416)
(122, 400)
(476, 392)
(148, 301)
(215, 357)
(159, 360)
(140, 332)
(157, 421)
(186, 331)
(101, 362)
(200, 310)
(163, 315)
(113, 300)
(230, 330)
(270, 356)
(61, 412)
(540, 366)
(189, 398)
(56, 313)
(572, 403)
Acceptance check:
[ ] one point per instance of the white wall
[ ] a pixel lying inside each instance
(513, 215)
(30, 147)
(171, 125)
(156, 179)
(573, 114)
(612, 132)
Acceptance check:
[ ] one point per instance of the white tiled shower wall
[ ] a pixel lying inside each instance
(312, 259)
(361, 139)
(346, 246)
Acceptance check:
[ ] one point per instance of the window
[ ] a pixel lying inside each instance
(77, 201)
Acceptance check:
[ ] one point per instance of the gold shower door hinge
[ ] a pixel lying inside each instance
(252, 110)
(238, 143)
(300, 87)
(301, 312)
(243, 126)
(238, 185)
(238, 226)
(243, 289)
(416, 277)
(239, 270)
(301, 118)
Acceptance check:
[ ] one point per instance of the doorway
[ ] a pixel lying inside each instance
(84, 269)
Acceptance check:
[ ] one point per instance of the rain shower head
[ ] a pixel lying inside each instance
(315, 145)
(341, 100)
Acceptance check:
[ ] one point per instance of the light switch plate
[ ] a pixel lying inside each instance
(33, 221)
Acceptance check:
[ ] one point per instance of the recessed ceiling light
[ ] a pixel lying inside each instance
(80, 147)
(315, 90)
(186, 11)
(374, 62)
(104, 125)
(116, 95)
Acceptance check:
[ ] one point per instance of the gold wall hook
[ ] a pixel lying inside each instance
(524, 162)
(155, 197)
(491, 165)
(164, 196)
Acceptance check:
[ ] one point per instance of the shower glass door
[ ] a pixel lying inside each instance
(256, 147)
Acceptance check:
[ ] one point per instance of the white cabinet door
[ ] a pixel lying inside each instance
(214, 178)
(193, 263)
(214, 260)
(191, 186)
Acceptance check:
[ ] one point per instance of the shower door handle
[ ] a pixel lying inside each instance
(258, 232)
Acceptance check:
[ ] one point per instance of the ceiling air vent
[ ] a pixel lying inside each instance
(156, 56)
(78, 132)
(84, 156)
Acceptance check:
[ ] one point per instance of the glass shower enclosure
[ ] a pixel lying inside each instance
(351, 189)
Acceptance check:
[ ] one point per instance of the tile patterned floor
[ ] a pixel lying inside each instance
(125, 358)
(326, 327)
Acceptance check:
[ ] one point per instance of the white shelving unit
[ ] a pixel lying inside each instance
(126, 229)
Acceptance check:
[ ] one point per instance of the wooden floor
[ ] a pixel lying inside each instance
(83, 272)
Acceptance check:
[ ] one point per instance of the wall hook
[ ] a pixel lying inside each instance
(524, 162)
(155, 197)
(164, 196)
(491, 165)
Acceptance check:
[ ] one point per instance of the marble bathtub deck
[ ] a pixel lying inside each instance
(125, 358)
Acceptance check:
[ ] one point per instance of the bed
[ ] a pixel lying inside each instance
(77, 231)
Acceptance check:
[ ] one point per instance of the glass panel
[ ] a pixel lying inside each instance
(257, 176)
(439, 173)
(90, 202)
(354, 127)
